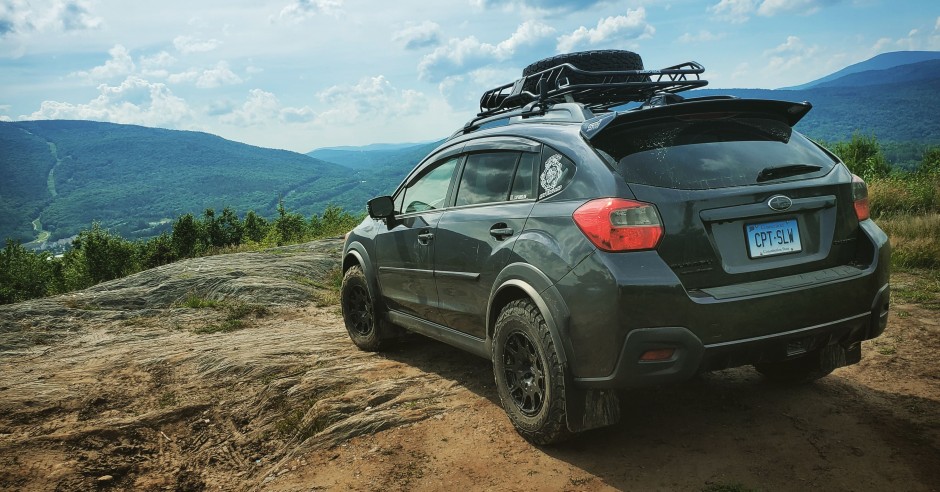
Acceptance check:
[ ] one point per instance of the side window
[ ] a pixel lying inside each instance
(429, 191)
(522, 184)
(487, 177)
(555, 173)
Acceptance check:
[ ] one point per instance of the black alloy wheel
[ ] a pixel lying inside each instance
(525, 373)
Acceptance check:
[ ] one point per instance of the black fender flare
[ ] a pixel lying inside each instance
(584, 409)
(356, 250)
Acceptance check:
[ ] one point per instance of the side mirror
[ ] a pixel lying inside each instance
(381, 207)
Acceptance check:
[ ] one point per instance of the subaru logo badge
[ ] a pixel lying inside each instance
(779, 203)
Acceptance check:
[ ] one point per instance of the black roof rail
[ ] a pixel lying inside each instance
(597, 90)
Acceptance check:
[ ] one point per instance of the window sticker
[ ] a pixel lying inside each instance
(553, 174)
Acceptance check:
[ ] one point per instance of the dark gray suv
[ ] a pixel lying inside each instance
(586, 250)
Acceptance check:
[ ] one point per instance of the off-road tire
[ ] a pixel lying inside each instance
(521, 330)
(360, 315)
(597, 60)
(802, 370)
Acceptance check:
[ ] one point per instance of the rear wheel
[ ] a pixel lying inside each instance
(806, 369)
(359, 313)
(529, 375)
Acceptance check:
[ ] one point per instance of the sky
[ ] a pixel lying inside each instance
(306, 74)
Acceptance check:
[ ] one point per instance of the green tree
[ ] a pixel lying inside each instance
(930, 163)
(107, 255)
(23, 273)
(211, 230)
(156, 251)
(231, 227)
(185, 236)
(255, 227)
(863, 156)
(288, 227)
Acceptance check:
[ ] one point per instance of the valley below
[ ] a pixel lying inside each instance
(234, 372)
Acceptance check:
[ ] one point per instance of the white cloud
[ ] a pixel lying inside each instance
(543, 6)
(788, 56)
(299, 10)
(119, 65)
(134, 101)
(770, 8)
(374, 97)
(736, 11)
(611, 30)
(156, 65)
(209, 78)
(424, 35)
(462, 92)
(260, 108)
(460, 56)
(915, 40)
(42, 16)
(218, 76)
(190, 44)
(702, 36)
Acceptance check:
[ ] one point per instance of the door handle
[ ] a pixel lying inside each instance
(425, 237)
(500, 231)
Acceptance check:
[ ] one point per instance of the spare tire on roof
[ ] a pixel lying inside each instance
(593, 61)
(597, 60)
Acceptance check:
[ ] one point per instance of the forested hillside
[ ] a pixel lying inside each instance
(130, 178)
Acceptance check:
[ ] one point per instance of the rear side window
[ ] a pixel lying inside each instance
(488, 177)
(699, 154)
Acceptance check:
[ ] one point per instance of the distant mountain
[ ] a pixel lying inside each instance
(898, 111)
(59, 176)
(900, 75)
(880, 62)
(378, 170)
(370, 147)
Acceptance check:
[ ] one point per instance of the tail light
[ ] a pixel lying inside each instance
(860, 198)
(616, 224)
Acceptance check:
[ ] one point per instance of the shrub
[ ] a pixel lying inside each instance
(23, 273)
(863, 156)
(107, 256)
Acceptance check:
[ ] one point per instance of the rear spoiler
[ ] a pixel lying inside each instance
(784, 111)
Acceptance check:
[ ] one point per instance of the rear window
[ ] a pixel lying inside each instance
(700, 154)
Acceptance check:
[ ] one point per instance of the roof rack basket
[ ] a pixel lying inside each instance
(596, 90)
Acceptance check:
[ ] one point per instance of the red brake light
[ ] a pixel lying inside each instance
(616, 224)
(860, 197)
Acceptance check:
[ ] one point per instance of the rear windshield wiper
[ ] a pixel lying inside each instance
(770, 173)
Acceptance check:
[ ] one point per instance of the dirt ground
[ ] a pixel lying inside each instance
(145, 398)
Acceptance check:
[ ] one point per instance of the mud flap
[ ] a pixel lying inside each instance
(590, 409)
(833, 357)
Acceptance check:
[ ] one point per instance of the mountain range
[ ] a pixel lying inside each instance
(59, 176)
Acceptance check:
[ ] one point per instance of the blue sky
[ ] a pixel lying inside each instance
(303, 74)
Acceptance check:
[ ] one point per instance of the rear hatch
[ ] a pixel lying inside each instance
(744, 199)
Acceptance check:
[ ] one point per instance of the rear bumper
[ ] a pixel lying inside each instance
(691, 356)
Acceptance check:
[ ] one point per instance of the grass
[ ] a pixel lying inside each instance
(237, 314)
(923, 288)
(915, 239)
(327, 292)
(904, 195)
(195, 301)
(294, 424)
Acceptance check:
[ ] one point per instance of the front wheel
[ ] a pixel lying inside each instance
(529, 375)
(359, 313)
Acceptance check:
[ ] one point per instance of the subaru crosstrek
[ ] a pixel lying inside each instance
(586, 250)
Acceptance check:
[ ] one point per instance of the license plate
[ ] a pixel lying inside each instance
(773, 238)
